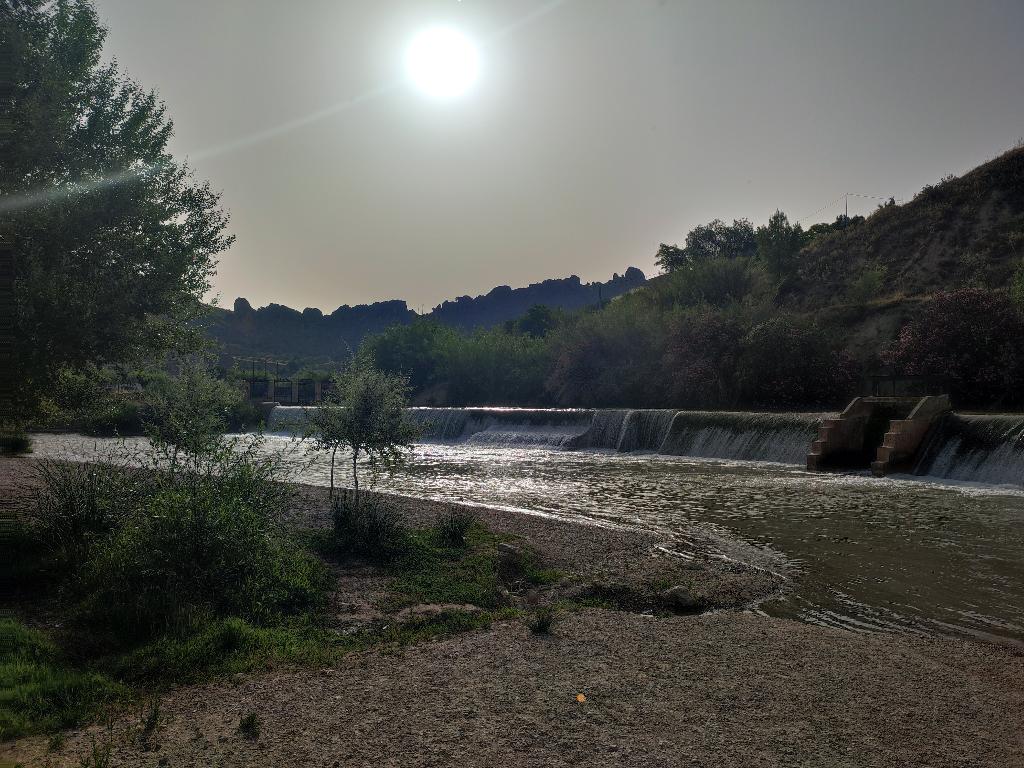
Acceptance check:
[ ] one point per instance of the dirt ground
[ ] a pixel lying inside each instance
(608, 688)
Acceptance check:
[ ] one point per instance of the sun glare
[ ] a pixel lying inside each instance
(442, 62)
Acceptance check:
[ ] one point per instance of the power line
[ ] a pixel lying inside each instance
(846, 198)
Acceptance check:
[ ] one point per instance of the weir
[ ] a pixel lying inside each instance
(978, 448)
(981, 448)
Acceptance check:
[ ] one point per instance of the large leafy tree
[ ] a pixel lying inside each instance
(709, 241)
(778, 244)
(114, 241)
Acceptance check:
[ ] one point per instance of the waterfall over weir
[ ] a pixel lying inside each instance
(510, 427)
(779, 437)
(748, 436)
(976, 448)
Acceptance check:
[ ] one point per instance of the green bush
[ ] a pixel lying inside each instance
(37, 692)
(204, 548)
(542, 620)
(453, 525)
(79, 505)
(368, 526)
(14, 440)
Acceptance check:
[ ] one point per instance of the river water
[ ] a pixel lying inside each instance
(900, 554)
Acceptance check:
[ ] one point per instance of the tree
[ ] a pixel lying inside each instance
(365, 414)
(114, 241)
(537, 323)
(708, 241)
(413, 350)
(778, 244)
(972, 338)
(189, 414)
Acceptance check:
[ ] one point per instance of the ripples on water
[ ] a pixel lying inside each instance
(889, 554)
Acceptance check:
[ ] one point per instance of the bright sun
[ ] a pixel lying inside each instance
(442, 62)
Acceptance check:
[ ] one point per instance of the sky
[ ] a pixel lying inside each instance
(596, 129)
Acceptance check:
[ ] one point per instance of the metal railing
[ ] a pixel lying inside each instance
(890, 384)
(288, 391)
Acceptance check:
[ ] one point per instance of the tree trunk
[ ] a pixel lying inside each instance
(355, 476)
(334, 452)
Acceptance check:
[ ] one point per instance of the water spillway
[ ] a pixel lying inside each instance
(715, 435)
(778, 437)
(962, 447)
(980, 448)
(503, 427)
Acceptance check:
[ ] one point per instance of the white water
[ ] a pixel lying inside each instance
(975, 448)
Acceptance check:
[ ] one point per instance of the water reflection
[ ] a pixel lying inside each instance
(867, 554)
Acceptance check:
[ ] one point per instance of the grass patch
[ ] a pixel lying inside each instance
(542, 620)
(453, 526)
(222, 647)
(249, 726)
(432, 571)
(39, 692)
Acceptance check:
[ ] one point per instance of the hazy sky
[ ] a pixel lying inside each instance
(597, 128)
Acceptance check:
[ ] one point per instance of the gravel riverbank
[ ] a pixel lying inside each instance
(610, 687)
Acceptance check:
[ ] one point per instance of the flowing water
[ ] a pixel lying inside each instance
(927, 555)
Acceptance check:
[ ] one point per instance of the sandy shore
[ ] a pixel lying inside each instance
(724, 688)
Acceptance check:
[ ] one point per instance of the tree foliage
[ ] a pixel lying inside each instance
(778, 243)
(972, 337)
(364, 414)
(707, 241)
(114, 240)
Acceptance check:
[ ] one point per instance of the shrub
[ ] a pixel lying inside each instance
(14, 440)
(186, 559)
(79, 505)
(542, 620)
(201, 546)
(249, 727)
(370, 527)
(453, 525)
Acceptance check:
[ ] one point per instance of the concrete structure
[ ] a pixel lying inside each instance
(883, 433)
(905, 436)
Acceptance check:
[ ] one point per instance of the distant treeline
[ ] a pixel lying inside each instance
(282, 332)
(770, 317)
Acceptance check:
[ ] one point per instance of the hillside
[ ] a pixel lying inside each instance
(283, 332)
(966, 230)
(504, 303)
